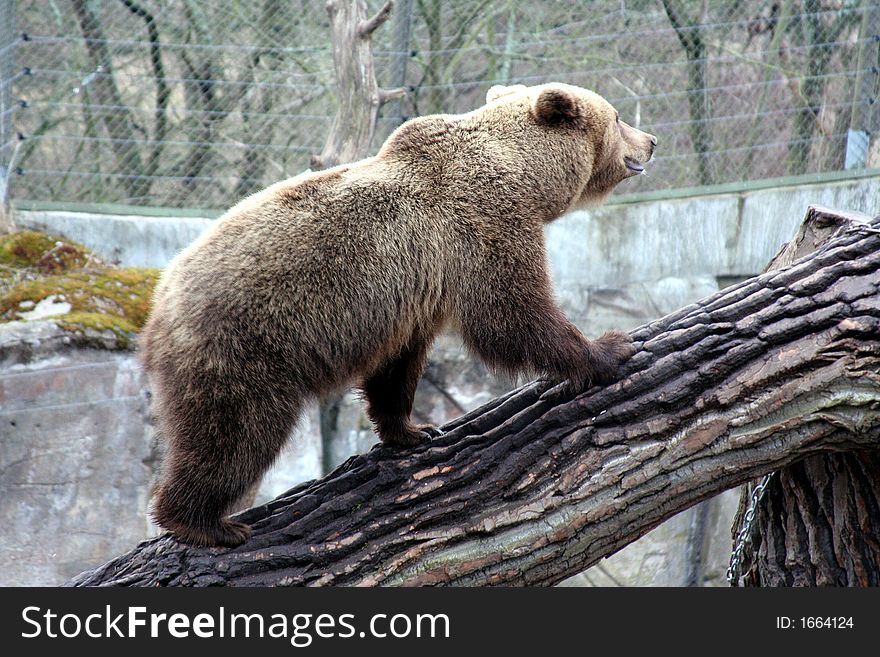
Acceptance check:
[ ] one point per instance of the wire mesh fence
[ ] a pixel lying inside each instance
(196, 103)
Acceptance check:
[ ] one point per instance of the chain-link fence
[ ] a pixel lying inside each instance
(195, 103)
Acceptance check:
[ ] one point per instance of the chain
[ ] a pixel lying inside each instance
(744, 536)
(863, 228)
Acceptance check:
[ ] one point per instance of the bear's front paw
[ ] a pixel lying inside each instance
(599, 364)
(608, 353)
(409, 435)
(617, 345)
(430, 430)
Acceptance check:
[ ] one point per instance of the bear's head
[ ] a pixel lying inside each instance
(583, 134)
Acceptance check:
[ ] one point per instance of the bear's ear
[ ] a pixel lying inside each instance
(555, 106)
(499, 90)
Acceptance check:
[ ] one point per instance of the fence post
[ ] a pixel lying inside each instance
(7, 134)
(402, 22)
(858, 137)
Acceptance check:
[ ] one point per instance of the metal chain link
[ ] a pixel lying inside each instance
(744, 536)
(864, 228)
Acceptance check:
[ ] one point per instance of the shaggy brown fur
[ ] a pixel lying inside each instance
(348, 275)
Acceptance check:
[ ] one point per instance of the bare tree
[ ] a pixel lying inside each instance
(450, 35)
(688, 32)
(359, 95)
(112, 112)
(163, 93)
(818, 30)
(254, 159)
(866, 87)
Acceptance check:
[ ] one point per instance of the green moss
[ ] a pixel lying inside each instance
(108, 305)
(123, 293)
(90, 324)
(28, 249)
(8, 277)
(24, 248)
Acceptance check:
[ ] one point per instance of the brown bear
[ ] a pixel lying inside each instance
(348, 275)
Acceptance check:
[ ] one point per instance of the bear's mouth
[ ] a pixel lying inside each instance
(633, 165)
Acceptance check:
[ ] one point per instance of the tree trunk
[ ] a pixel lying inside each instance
(118, 122)
(536, 486)
(691, 40)
(359, 94)
(819, 521)
(818, 524)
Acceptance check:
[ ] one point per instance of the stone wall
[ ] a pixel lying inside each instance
(76, 452)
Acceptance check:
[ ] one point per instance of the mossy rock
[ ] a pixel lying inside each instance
(29, 249)
(125, 293)
(95, 327)
(58, 279)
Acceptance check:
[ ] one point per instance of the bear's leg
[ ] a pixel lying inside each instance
(192, 510)
(217, 451)
(525, 330)
(389, 392)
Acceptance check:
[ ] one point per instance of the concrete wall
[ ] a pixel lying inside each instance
(638, 261)
(131, 240)
(732, 234)
(76, 457)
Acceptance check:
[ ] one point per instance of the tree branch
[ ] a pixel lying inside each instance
(367, 27)
(534, 486)
(685, 29)
(386, 95)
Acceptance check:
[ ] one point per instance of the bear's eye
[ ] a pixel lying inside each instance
(617, 117)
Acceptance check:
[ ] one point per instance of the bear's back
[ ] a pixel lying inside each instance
(342, 261)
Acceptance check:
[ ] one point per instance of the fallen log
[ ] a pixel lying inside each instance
(536, 486)
(819, 520)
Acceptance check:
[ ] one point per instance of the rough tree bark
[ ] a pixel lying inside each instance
(818, 524)
(819, 521)
(535, 486)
